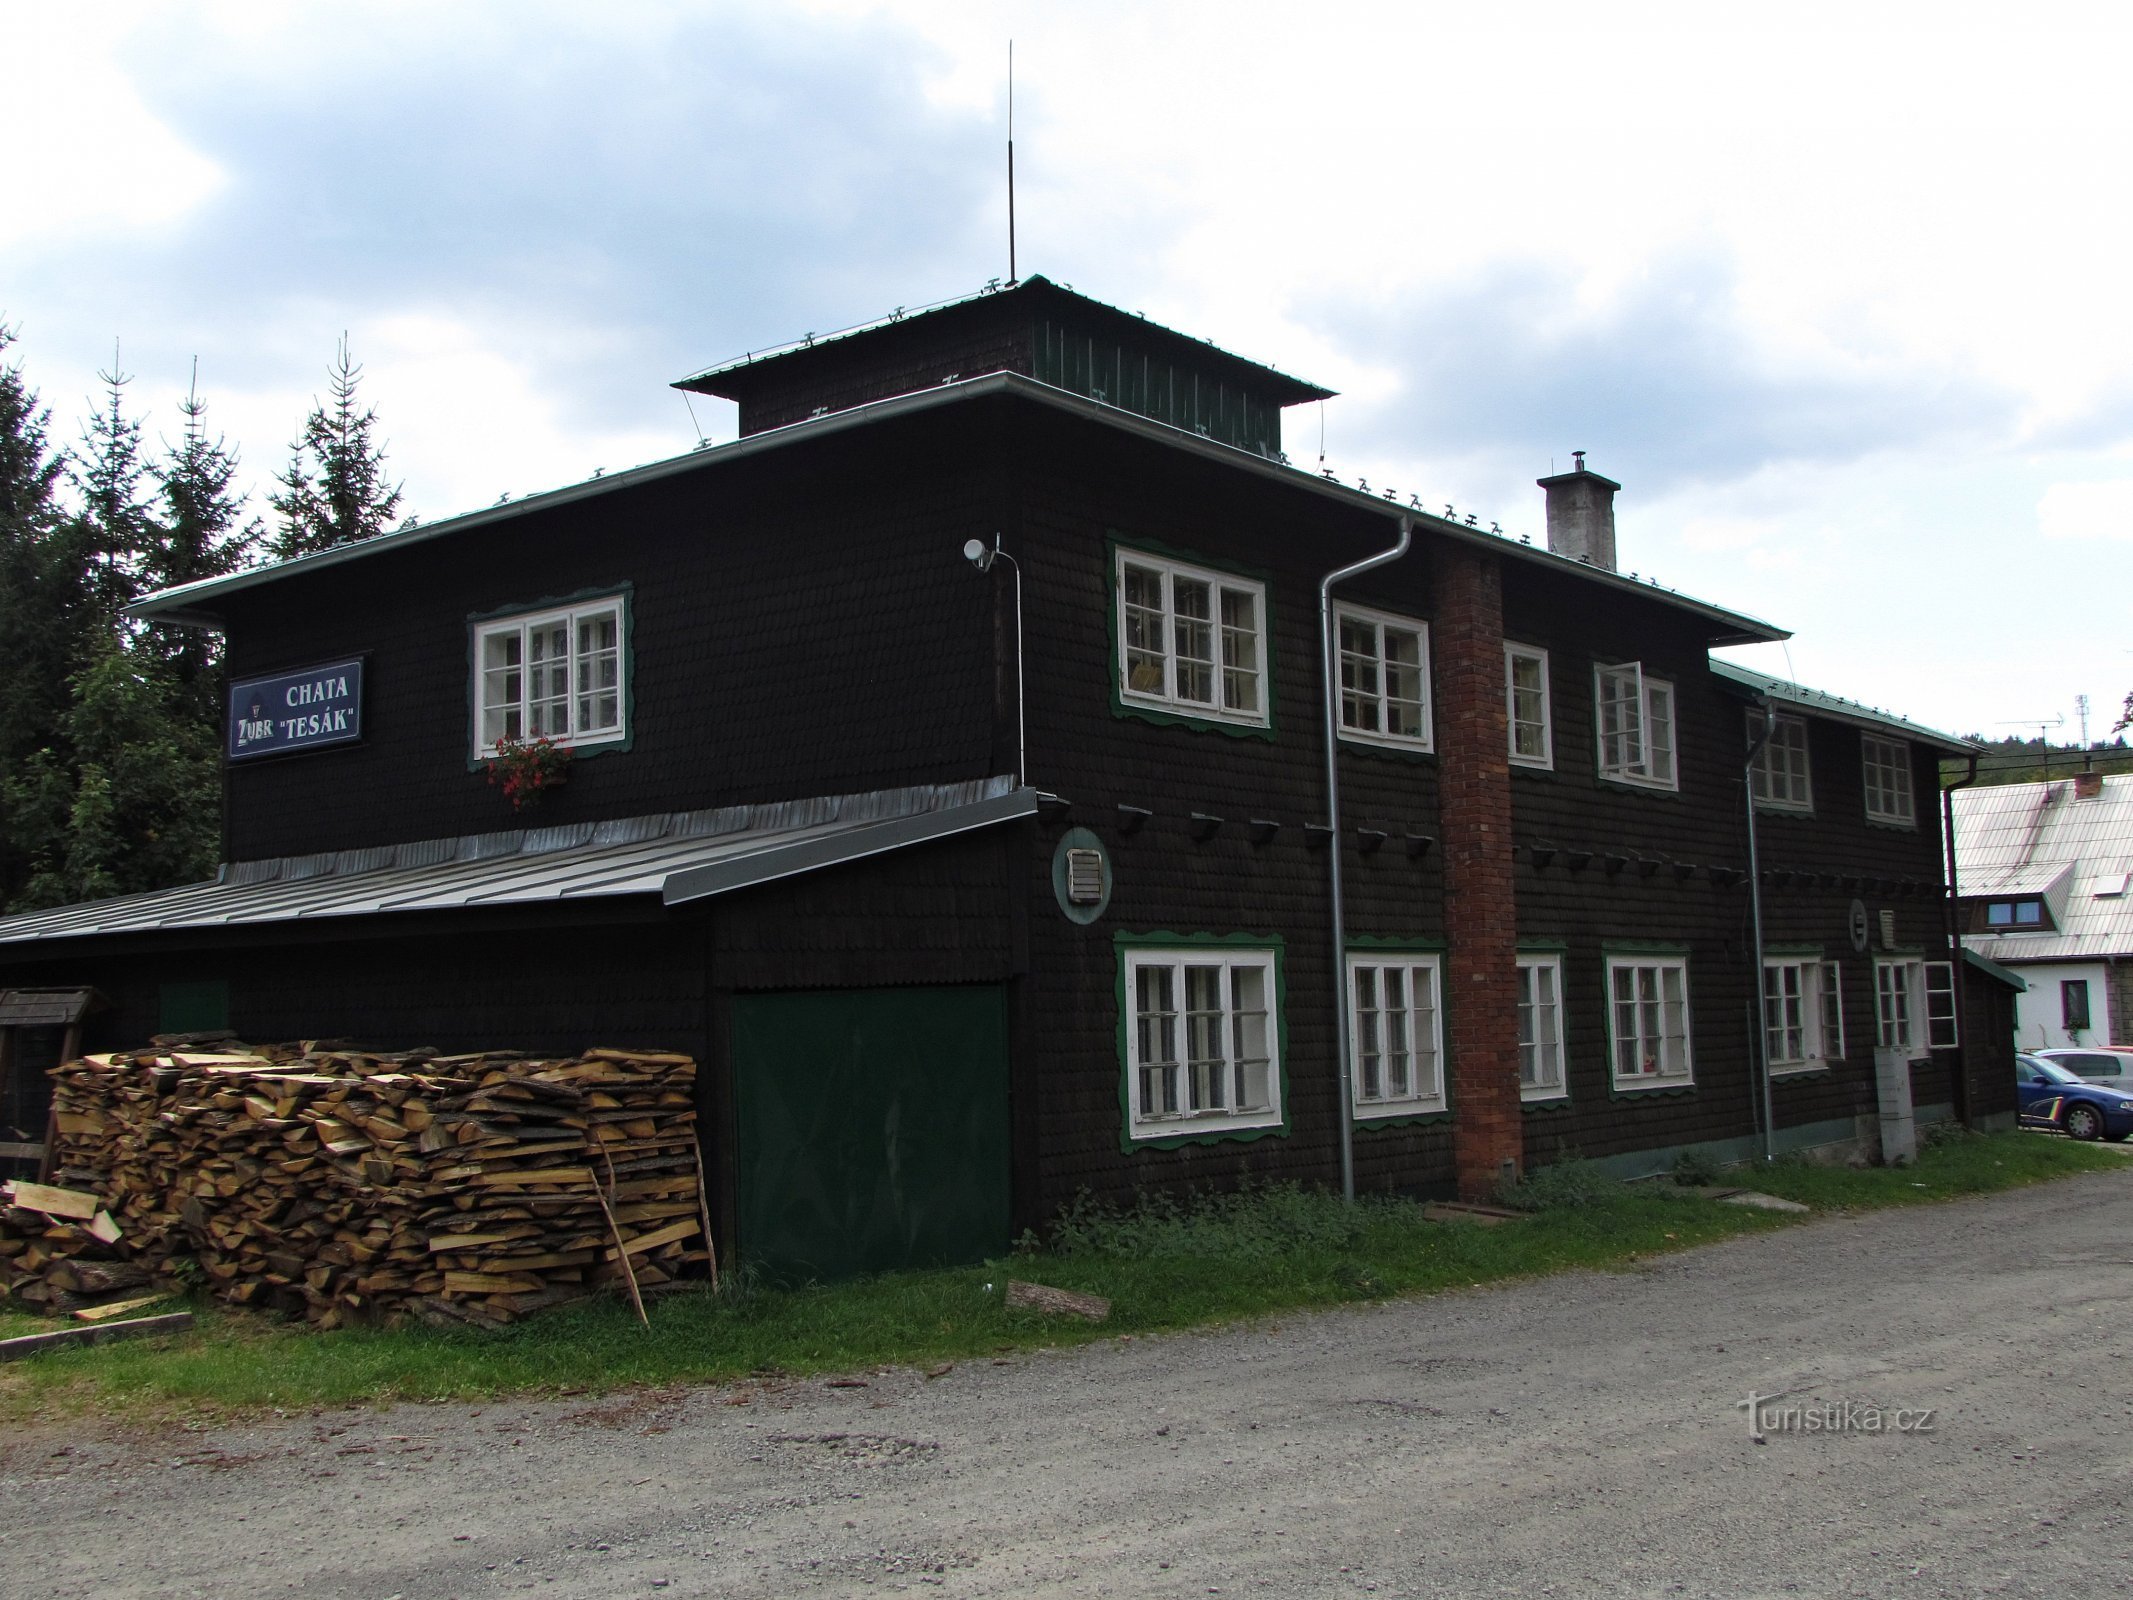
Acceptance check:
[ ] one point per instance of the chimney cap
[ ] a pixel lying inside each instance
(1579, 473)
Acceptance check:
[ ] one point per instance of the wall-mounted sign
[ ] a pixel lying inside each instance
(302, 710)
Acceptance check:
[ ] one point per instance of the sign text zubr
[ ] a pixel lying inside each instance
(303, 710)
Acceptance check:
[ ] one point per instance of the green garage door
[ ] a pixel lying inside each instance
(871, 1129)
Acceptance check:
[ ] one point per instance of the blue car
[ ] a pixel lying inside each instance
(2052, 1097)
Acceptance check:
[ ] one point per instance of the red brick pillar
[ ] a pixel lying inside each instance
(1481, 967)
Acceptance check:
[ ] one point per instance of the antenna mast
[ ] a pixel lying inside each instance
(1010, 163)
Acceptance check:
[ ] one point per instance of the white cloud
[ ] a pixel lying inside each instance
(2087, 510)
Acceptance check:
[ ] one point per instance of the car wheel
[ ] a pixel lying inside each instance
(2082, 1121)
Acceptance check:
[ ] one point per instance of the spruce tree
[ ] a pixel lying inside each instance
(334, 491)
(204, 534)
(33, 688)
(108, 540)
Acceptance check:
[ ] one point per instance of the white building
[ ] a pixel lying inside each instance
(2041, 872)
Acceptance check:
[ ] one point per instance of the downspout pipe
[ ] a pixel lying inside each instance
(1755, 904)
(1329, 661)
(1955, 943)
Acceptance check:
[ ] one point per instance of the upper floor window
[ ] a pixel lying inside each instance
(1636, 714)
(1780, 771)
(1525, 693)
(1887, 763)
(1384, 678)
(1202, 1051)
(1190, 640)
(556, 674)
(1395, 1034)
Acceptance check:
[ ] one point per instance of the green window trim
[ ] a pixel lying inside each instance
(1124, 942)
(1114, 546)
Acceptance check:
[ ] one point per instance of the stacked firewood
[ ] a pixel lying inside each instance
(61, 1251)
(344, 1185)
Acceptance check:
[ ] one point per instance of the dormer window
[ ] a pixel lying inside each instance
(2014, 915)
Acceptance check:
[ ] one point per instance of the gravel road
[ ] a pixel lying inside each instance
(1579, 1436)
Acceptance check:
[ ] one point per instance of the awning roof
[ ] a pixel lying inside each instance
(677, 856)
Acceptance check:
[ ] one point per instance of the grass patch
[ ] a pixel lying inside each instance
(1164, 1266)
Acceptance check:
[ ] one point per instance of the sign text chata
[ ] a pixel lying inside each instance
(301, 710)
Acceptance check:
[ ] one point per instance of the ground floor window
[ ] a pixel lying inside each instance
(1648, 1021)
(1540, 1028)
(1202, 1040)
(1914, 1005)
(1803, 1013)
(1396, 1045)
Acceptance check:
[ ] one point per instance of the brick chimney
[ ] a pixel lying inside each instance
(2088, 785)
(1581, 514)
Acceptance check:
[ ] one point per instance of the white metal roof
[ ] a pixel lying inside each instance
(678, 856)
(2023, 839)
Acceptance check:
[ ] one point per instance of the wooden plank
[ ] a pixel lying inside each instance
(118, 1308)
(659, 1236)
(22, 1152)
(53, 1202)
(31, 1344)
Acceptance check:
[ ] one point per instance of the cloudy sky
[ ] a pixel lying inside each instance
(1842, 301)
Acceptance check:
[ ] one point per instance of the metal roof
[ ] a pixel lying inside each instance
(678, 856)
(1037, 286)
(2040, 839)
(1816, 702)
(178, 604)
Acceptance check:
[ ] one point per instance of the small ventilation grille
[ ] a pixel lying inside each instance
(1085, 877)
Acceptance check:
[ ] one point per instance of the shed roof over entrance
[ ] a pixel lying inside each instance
(677, 856)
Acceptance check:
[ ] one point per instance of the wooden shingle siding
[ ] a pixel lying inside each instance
(799, 626)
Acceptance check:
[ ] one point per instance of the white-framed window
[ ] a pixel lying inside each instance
(1202, 1040)
(1887, 765)
(1526, 706)
(557, 674)
(1191, 640)
(1540, 1028)
(1648, 1021)
(1780, 772)
(1636, 718)
(1395, 1035)
(1914, 1005)
(1384, 662)
(1803, 1013)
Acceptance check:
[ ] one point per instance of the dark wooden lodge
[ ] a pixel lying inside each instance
(980, 882)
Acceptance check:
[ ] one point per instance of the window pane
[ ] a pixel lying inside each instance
(1240, 650)
(1403, 682)
(599, 673)
(1249, 1043)
(1359, 676)
(502, 686)
(1192, 604)
(1203, 1038)
(1144, 630)
(1155, 1021)
(1529, 728)
(1659, 732)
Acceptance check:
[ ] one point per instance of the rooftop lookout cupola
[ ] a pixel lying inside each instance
(1581, 514)
(1036, 328)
